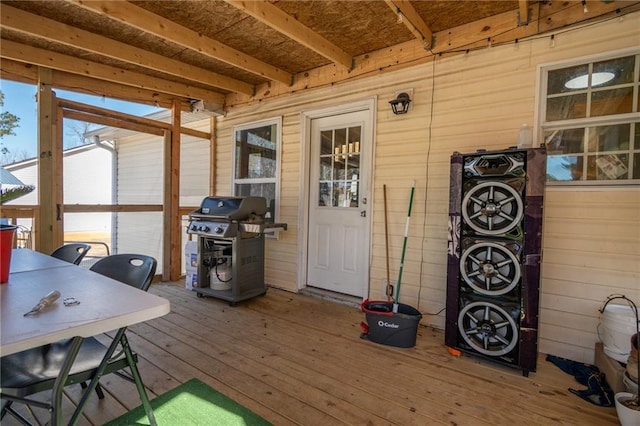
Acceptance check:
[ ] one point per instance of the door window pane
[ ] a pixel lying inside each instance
(326, 142)
(339, 167)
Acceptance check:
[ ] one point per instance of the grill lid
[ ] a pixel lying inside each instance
(232, 208)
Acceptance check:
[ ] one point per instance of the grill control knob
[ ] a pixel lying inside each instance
(194, 227)
(203, 228)
(219, 230)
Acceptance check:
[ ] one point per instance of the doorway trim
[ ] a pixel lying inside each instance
(306, 116)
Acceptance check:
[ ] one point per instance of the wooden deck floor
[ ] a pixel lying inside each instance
(298, 360)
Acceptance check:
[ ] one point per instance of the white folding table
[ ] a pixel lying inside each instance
(105, 305)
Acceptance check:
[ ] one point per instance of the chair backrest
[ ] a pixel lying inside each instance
(72, 252)
(136, 270)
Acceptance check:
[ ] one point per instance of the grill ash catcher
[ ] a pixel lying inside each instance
(230, 232)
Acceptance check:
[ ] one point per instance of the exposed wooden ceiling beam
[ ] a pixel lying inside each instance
(412, 20)
(111, 122)
(502, 28)
(44, 58)
(523, 8)
(273, 16)
(395, 57)
(92, 110)
(50, 30)
(27, 73)
(151, 23)
(104, 112)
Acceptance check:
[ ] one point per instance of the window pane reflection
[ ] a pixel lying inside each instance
(621, 68)
(607, 167)
(325, 191)
(609, 138)
(256, 151)
(567, 107)
(266, 190)
(326, 168)
(564, 168)
(558, 79)
(568, 141)
(256, 162)
(590, 124)
(326, 142)
(608, 102)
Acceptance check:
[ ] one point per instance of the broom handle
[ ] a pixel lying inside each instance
(404, 246)
(389, 289)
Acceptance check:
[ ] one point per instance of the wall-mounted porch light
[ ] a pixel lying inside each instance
(400, 105)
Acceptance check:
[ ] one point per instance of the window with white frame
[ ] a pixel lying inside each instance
(590, 120)
(257, 162)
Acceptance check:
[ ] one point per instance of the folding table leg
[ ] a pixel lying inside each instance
(119, 338)
(61, 380)
(138, 380)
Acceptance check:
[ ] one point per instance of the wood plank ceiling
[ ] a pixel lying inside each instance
(221, 53)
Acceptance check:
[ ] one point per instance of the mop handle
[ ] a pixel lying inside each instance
(404, 245)
(389, 289)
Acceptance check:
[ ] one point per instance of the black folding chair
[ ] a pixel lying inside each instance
(72, 252)
(34, 370)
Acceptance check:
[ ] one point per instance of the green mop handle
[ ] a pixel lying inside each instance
(404, 247)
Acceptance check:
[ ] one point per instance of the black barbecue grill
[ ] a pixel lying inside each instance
(230, 233)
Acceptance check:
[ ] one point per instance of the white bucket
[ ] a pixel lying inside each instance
(617, 325)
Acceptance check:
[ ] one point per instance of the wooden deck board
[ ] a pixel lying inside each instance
(296, 359)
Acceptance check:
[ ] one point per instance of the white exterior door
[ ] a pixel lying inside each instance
(339, 213)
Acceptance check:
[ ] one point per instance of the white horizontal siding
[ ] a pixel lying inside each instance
(195, 167)
(87, 179)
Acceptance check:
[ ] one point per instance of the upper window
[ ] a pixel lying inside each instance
(591, 121)
(257, 162)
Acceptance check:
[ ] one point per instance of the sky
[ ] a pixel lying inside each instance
(19, 99)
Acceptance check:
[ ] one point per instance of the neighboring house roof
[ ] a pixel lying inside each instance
(6, 178)
(11, 187)
(67, 152)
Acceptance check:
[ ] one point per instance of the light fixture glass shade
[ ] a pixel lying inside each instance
(582, 81)
(400, 105)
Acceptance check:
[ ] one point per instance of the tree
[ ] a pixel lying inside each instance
(14, 156)
(8, 122)
(76, 133)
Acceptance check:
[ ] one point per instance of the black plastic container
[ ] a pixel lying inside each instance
(390, 328)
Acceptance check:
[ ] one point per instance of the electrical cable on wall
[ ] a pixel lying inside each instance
(426, 188)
